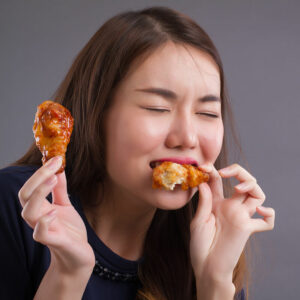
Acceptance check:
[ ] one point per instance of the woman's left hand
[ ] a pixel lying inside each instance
(221, 227)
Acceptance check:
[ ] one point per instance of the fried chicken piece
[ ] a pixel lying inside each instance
(168, 174)
(52, 129)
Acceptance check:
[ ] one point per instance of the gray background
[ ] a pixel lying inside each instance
(259, 42)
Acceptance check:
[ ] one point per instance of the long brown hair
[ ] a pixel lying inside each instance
(87, 90)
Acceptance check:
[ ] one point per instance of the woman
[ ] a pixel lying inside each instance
(148, 86)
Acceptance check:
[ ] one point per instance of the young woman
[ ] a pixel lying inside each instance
(148, 86)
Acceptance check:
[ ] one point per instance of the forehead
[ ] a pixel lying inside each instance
(178, 67)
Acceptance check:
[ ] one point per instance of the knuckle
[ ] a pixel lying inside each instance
(273, 212)
(37, 236)
(27, 216)
(39, 192)
(252, 183)
(38, 232)
(44, 172)
(272, 221)
(23, 214)
(254, 179)
(21, 195)
(236, 166)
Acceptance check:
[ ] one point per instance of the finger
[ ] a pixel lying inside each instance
(238, 172)
(215, 180)
(252, 188)
(268, 221)
(60, 193)
(41, 232)
(204, 208)
(32, 210)
(252, 204)
(42, 174)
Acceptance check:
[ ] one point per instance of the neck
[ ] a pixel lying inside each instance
(121, 222)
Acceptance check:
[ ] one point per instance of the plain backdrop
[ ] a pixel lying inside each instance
(259, 42)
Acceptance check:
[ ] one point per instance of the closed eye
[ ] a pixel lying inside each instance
(157, 109)
(162, 110)
(208, 115)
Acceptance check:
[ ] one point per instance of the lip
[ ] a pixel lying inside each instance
(178, 160)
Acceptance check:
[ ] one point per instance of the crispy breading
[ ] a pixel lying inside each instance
(168, 174)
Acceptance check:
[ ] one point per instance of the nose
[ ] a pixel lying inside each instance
(182, 134)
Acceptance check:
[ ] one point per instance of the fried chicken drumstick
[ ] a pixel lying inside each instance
(168, 174)
(52, 129)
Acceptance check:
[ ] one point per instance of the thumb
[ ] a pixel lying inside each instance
(204, 208)
(59, 192)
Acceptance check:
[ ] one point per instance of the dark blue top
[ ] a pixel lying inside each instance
(24, 261)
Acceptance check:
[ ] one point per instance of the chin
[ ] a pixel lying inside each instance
(172, 200)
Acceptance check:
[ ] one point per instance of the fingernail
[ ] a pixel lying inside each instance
(262, 208)
(52, 180)
(225, 171)
(242, 186)
(54, 163)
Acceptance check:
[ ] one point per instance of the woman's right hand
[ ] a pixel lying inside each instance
(57, 225)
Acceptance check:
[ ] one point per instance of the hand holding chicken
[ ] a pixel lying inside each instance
(221, 227)
(56, 224)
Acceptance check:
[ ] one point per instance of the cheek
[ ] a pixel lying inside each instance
(131, 137)
(140, 135)
(211, 142)
(129, 144)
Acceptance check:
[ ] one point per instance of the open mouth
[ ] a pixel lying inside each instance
(154, 164)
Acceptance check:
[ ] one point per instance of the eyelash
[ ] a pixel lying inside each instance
(209, 115)
(156, 109)
(166, 110)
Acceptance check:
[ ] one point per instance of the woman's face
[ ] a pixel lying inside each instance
(145, 125)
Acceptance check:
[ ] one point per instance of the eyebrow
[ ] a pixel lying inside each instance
(170, 95)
